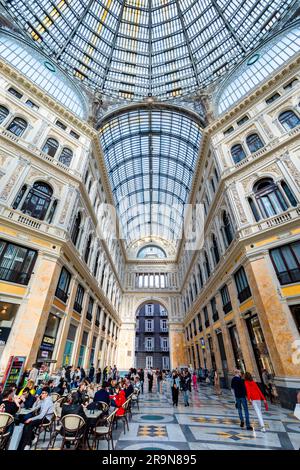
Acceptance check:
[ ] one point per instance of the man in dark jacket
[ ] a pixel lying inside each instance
(102, 395)
(239, 391)
(92, 373)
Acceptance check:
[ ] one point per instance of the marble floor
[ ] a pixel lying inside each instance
(209, 423)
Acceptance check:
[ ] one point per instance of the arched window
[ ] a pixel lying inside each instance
(254, 142)
(215, 249)
(237, 153)
(50, 147)
(269, 198)
(88, 249)
(66, 156)
(17, 126)
(206, 265)
(38, 200)
(289, 120)
(227, 228)
(76, 229)
(3, 113)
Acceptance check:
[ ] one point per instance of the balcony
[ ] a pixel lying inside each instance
(62, 295)
(77, 307)
(18, 277)
(227, 307)
(244, 294)
(149, 349)
(165, 348)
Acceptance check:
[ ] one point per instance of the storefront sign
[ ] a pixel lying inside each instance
(13, 371)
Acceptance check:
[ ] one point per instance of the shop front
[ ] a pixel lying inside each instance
(69, 345)
(47, 346)
(236, 348)
(260, 349)
(82, 349)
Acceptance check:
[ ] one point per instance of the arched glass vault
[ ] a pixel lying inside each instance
(151, 153)
(136, 48)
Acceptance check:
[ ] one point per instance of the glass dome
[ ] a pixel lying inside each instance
(257, 68)
(138, 48)
(43, 72)
(151, 153)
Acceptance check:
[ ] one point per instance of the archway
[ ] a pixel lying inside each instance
(152, 347)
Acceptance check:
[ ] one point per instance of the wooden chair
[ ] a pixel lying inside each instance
(55, 396)
(6, 420)
(135, 399)
(104, 432)
(44, 427)
(103, 406)
(72, 430)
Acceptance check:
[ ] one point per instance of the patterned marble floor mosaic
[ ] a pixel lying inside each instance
(210, 422)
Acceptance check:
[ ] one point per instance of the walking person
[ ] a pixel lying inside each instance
(92, 373)
(255, 396)
(194, 378)
(150, 380)
(98, 376)
(239, 391)
(217, 383)
(175, 384)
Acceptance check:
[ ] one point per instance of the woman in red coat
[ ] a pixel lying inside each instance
(255, 396)
(119, 399)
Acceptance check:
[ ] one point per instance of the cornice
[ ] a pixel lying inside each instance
(27, 85)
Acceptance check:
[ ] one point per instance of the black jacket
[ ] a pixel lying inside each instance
(73, 409)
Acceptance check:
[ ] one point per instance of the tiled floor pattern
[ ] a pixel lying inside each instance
(210, 422)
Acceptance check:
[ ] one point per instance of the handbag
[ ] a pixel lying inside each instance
(297, 411)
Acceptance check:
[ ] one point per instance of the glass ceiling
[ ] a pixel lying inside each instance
(138, 48)
(151, 153)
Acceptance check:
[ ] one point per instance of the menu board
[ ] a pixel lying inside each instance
(13, 371)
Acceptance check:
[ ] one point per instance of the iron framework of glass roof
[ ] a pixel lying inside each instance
(138, 48)
(151, 153)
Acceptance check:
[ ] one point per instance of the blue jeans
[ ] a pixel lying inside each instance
(186, 396)
(242, 402)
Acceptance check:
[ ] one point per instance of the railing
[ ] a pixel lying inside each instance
(62, 295)
(10, 135)
(11, 275)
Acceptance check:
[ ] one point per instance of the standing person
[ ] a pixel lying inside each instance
(142, 378)
(33, 375)
(195, 381)
(98, 376)
(175, 384)
(82, 373)
(150, 380)
(185, 385)
(255, 396)
(267, 381)
(217, 383)
(239, 391)
(158, 380)
(92, 373)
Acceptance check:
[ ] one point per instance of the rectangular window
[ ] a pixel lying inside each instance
(241, 121)
(149, 326)
(163, 312)
(63, 285)
(149, 342)
(215, 313)
(16, 262)
(32, 105)
(149, 309)
(286, 261)
(149, 362)
(228, 131)
(61, 125)
(290, 84)
(163, 326)
(74, 134)
(199, 322)
(206, 319)
(272, 98)
(78, 299)
(165, 344)
(242, 285)
(15, 92)
(194, 325)
(98, 313)
(227, 307)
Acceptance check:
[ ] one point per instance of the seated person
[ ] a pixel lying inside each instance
(10, 404)
(62, 388)
(45, 406)
(102, 394)
(119, 399)
(73, 406)
(30, 386)
(27, 400)
(81, 393)
(128, 388)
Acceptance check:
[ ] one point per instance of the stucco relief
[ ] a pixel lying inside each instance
(13, 179)
(40, 132)
(265, 127)
(238, 204)
(66, 205)
(292, 167)
(3, 160)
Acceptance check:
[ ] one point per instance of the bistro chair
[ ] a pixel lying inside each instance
(44, 427)
(104, 432)
(135, 399)
(124, 416)
(6, 420)
(72, 430)
(55, 396)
